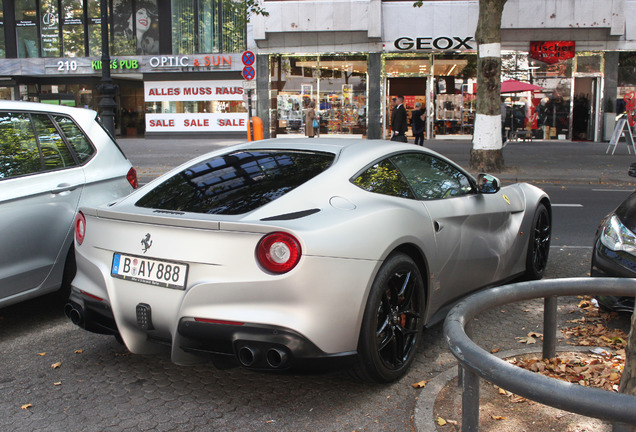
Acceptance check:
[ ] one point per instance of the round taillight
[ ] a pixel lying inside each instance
(80, 227)
(278, 252)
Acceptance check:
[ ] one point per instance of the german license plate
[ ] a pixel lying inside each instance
(167, 274)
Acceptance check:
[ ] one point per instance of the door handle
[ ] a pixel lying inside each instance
(438, 227)
(63, 187)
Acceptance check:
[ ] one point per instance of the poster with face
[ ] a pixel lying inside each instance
(136, 27)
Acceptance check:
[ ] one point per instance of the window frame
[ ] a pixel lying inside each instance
(51, 116)
(388, 157)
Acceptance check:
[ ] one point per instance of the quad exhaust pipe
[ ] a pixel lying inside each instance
(274, 358)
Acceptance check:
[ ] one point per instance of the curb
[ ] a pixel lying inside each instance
(424, 419)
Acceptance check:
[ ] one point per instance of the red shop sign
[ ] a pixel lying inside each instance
(552, 52)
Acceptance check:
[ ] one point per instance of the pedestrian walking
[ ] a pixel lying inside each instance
(399, 122)
(310, 120)
(418, 124)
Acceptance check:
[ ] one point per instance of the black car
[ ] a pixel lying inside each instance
(614, 252)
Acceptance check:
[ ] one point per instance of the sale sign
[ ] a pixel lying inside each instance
(199, 122)
(552, 52)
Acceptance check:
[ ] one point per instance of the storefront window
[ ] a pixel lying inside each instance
(73, 27)
(136, 27)
(94, 28)
(2, 46)
(27, 28)
(207, 26)
(233, 32)
(50, 28)
(553, 104)
(589, 63)
(337, 86)
(183, 27)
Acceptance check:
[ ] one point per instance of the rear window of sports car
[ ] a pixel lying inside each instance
(237, 182)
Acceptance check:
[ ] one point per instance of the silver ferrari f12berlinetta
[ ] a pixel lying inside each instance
(302, 254)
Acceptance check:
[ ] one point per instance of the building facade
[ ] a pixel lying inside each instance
(177, 63)
(195, 67)
(353, 57)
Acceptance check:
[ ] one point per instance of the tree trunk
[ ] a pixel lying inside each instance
(487, 154)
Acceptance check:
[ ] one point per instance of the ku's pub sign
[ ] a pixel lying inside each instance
(552, 52)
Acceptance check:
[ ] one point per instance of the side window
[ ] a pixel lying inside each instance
(76, 138)
(55, 153)
(384, 178)
(430, 177)
(19, 153)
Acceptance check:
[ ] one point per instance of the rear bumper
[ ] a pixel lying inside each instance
(262, 347)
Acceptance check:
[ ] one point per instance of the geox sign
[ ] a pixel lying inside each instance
(442, 43)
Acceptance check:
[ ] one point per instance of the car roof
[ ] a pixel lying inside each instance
(42, 107)
(349, 150)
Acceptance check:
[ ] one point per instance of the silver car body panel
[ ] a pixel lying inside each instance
(37, 211)
(466, 243)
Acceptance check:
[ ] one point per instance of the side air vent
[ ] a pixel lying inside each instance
(168, 212)
(291, 216)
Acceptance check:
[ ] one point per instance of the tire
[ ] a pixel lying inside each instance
(538, 244)
(393, 321)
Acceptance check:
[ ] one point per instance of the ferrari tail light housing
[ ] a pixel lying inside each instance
(278, 252)
(80, 227)
(132, 178)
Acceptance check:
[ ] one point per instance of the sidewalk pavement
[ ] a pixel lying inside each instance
(537, 161)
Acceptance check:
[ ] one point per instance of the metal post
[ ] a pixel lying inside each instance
(470, 401)
(549, 327)
(106, 88)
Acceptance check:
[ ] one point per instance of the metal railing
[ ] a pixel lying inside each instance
(475, 362)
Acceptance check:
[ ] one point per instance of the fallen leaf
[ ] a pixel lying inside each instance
(59, 383)
(56, 365)
(527, 340)
(494, 417)
(42, 354)
(419, 384)
(494, 351)
(78, 351)
(26, 406)
(440, 421)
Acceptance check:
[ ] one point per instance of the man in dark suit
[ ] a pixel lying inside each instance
(399, 122)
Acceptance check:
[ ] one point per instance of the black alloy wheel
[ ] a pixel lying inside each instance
(393, 321)
(539, 244)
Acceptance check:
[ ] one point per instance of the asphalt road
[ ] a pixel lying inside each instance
(57, 377)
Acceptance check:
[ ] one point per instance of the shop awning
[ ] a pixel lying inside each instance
(514, 86)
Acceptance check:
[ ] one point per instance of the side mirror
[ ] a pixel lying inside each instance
(487, 184)
(632, 170)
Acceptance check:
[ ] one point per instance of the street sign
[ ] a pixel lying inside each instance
(248, 58)
(249, 85)
(249, 73)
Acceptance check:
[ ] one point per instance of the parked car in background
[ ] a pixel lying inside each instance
(52, 160)
(614, 252)
(302, 254)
